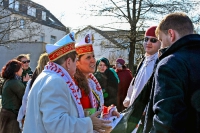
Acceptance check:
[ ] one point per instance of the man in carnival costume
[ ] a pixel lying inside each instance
(54, 101)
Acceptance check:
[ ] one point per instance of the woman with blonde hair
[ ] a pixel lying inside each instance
(43, 60)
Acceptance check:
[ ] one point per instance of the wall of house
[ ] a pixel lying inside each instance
(13, 50)
(103, 47)
(50, 31)
(33, 31)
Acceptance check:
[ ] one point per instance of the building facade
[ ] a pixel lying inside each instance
(110, 44)
(27, 21)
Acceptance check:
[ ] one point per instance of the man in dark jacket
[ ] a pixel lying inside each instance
(174, 105)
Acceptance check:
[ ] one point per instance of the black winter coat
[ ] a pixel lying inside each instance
(175, 98)
(109, 84)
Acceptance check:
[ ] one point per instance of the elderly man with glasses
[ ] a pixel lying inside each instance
(140, 87)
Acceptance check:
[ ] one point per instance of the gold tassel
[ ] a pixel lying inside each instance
(92, 38)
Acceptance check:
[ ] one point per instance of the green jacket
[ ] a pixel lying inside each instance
(12, 93)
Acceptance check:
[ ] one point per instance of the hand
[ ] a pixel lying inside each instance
(115, 113)
(100, 125)
(108, 130)
(26, 78)
(126, 103)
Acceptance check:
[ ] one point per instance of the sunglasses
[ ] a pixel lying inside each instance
(152, 40)
(27, 61)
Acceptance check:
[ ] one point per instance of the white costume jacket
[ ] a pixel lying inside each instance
(51, 109)
(22, 110)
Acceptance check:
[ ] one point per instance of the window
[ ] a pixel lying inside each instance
(42, 37)
(31, 11)
(43, 15)
(11, 4)
(53, 40)
(1, 2)
(22, 23)
(51, 20)
(14, 4)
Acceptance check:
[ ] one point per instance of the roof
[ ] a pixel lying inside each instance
(120, 37)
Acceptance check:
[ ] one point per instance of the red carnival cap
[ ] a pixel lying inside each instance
(151, 31)
(85, 45)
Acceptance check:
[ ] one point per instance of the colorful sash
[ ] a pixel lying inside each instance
(96, 91)
(74, 91)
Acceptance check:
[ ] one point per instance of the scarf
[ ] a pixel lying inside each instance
(18, 77)
(97, 92)
(74, 91)
(143, 76)
(27, 71)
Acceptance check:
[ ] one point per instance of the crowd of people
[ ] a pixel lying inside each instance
(71, 91)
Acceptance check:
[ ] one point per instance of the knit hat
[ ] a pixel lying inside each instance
(62, 47)
(85, 45)
(151, 31)
(121, 61)
(104, 60)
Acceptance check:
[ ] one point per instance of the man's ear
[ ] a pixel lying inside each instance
(172, 35)
(67, 62)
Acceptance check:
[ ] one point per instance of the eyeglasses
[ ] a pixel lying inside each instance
(27, 61)
(152, 40)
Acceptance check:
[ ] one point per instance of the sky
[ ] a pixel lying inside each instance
(67, 12)
(70, 13)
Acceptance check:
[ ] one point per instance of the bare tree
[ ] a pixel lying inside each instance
(137, 15)
(113, 55)
(14, 26)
